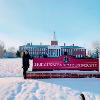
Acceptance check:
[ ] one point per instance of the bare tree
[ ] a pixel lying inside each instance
(89, 53)
(1, 49)
(12, 52)
(96, 47)
(11, 49)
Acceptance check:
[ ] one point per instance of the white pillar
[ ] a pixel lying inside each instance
(99, 62)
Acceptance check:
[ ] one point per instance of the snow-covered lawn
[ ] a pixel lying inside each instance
(14, 87)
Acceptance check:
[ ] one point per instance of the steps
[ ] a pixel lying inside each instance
(41, 75)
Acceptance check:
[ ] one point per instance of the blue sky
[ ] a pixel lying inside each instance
(74, 21)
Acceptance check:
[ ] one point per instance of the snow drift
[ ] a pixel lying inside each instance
(14, 87)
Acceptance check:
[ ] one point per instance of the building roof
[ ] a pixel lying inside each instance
(46, 46)
(36, 46)
(74, 47)
(41, 46)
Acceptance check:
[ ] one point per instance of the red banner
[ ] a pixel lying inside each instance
(65, 63)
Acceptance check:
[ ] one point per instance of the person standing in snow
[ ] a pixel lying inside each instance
(82, 96)
(25, 62)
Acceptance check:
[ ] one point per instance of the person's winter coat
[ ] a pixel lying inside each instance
(82, 96)
(25, 61)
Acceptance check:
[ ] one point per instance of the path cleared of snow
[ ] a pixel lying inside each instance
(14, 87)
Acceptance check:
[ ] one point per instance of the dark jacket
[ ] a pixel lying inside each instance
(82, 96)
(25, 60)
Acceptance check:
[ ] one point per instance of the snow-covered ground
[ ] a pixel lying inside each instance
(14, 87)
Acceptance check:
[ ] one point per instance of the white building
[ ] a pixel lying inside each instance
(53, 50)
